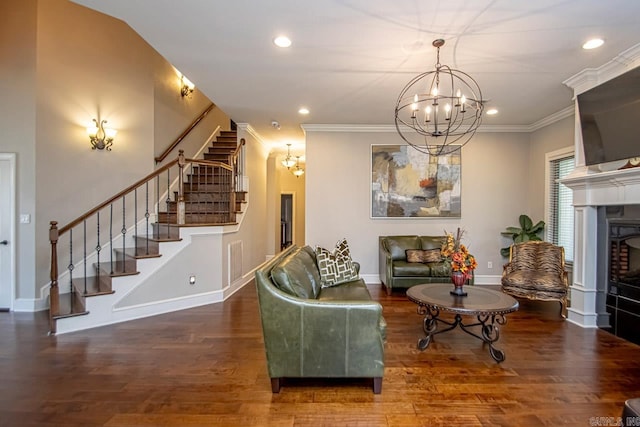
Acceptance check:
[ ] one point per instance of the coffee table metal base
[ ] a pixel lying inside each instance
(490, 332)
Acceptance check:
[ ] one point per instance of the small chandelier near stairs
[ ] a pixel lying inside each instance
(288, 162)
(298, 171)
(439, 111)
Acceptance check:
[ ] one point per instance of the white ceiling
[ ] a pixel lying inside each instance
(351, 58)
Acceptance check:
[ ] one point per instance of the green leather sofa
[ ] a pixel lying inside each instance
(396, 272)
(310, 331)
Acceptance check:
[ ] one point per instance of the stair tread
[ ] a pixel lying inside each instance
(158, 239)
(117, 269)
(139, 253)
(96, 285)
(70, 305)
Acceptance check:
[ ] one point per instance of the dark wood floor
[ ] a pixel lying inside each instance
(206, 366)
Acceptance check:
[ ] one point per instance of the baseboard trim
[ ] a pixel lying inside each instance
(480, 279)
(30, 304)
(140, 311)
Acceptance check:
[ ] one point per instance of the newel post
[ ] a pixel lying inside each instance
(180, 205)
(54, 293)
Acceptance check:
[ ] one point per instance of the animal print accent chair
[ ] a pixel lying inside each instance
(536, 271)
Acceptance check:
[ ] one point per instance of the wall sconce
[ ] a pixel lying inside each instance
(186, 87)
(101, 137)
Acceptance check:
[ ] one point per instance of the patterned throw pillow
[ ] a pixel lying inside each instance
(414, 255)
(431, 255)
(336, 267)
(424, 256)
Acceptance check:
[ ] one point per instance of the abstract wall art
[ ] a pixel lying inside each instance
(406, 183)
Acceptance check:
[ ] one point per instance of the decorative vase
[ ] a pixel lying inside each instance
(458, 279)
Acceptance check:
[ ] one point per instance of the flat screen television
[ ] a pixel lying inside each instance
(610, 119)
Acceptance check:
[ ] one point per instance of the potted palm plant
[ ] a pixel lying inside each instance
(527, 231)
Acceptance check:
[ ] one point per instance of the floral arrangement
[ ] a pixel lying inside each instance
(456, 255)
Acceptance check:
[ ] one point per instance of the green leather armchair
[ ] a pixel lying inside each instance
(323, 332)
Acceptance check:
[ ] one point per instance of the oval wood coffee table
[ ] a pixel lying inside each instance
(487, 305)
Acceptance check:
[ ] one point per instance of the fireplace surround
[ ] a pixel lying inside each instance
(596, 190)
(622, 299)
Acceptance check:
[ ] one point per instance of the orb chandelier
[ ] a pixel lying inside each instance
(439, 111)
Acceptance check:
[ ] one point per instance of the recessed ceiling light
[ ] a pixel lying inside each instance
(492, 112)
(282, 41)
(593, 43)
(303, 110)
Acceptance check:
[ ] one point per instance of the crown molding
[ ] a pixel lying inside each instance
(392, 129)
(503, 128)
(310, 127)
(555, 117)
(246, 127)
(591, 77)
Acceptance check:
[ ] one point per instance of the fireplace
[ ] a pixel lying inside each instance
(623, 279)
(600, 295)
(607, 220)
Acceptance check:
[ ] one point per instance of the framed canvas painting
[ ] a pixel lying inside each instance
(406, 183)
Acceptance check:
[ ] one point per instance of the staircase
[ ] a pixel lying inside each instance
(206, 192)
(211, 196)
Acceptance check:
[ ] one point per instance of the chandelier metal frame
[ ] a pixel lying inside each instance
(439, 111)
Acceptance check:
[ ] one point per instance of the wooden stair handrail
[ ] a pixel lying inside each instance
(210, 163)
(183, 135)
(237, 151)
(106, 203)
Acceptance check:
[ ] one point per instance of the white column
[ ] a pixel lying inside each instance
(584, 286)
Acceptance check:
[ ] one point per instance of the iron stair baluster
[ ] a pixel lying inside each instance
(98, 247)
(124, 234)
(146, 215)
(70, 267)
(168, 199)
(135, 221)
(84, 245)
(111, 235)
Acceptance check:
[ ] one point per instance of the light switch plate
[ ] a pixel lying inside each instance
(25, 218)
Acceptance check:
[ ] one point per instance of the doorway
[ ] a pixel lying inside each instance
(7, 230)
(286, 220)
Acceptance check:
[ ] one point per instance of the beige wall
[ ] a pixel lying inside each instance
(495, 170)
(548, 139)
(18, 123)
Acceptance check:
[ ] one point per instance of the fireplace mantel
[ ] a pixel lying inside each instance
(609, 188)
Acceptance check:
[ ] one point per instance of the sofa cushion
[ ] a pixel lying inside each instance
(355, 290)
(431, 242)
(421, 255)
(439, 269)
(398, 245)
(308, 249)
(297, 275)
(410, 269)
(336, 267)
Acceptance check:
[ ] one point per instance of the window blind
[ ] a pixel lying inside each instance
(560, 227)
